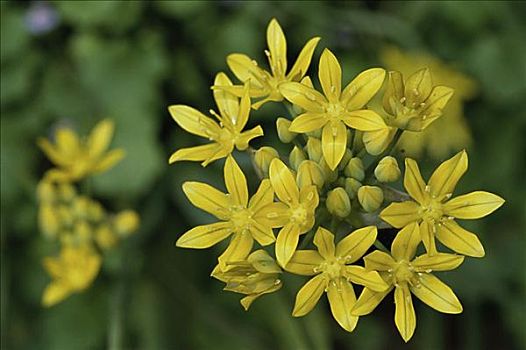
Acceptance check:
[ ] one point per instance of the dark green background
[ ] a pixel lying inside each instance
(129, 61)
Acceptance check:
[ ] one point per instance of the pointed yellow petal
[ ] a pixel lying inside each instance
(413, 182)
(394, 92)
(362, 89)
(300, 67)
(221, 151)
(235, 181)
(52, 152)
(305, 263)
(341, 299)
(303, 96)
(309, 198)
(245, 69)
(459, 240)
(377, 141)
(208, 198)
(330, 75)
(405, 317)
(405, 243)
(308, 122)
(100, 137)
(427, 234)
(262, 233)
(418, 87)
(67, 141)
(205, 236)
(436, 294)
(334, 143)
(473, 205)
(437, 101)
(283, 182)
(368, 301)
(309, 295)
(378, 261)
(240, 119)
(226, 101)
(193, 121)
(286, 243)
(446, 176)
(197, 153)
(273, 215)
(263, 196)
(354, 246)
(54, 293)
(369, 279)
(365, 120)
(245, 137)
(437, 262)
(238, 250)
(109, 160)
(277, 45)
(324, 241)
(263, 262)
(401, 214)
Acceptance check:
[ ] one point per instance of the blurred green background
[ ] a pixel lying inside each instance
(75, 63)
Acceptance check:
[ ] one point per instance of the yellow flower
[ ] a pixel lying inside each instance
(264, 84)
(243, 219)
(407, 275)
(451, 131)
(435, 211)
(225, 136)
(254, 276)
(73, 271)
(76, 158)
(411, 105)
(295, 211)
(333, 274)
(335, 109)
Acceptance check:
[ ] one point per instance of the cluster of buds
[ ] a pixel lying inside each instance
(81, 225)
(321, 207)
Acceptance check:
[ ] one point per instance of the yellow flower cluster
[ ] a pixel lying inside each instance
(334, 192)
(81, 225)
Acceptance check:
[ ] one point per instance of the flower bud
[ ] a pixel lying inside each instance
(126, 222)
(67, 191)
(95, 211)
(263, 157)
(370, 197)
(80, 206)
(310, 173)
(338, 202)
(355, 169)
(329, 174)
(46, 191)
(105, 237)
(352, 186)
(316, 134)
(82, 231)
(314, 149)
(48, 220)
(65, 215)
(387, 170)
(282, 125)
(345, 160)
(296, 157)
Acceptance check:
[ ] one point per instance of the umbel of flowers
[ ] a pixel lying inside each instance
(318, 209)
(80, 224)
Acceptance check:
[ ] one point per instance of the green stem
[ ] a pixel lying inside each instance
(290, 110)
(115, 333)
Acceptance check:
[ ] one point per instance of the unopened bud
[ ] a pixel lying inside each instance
(46, 192)
(345, 160)
(387, 170)
(310, 173)
(329, 174)
(263, 157)
(314, 149)
(338, 202)
(82, 231)
(105, 237)
(80, 206)
(283, 125)
(296, 157)
(66, 215)
(48, 220)
(315, 133)
(67, 191)
(355, 169)
(370, 198)
(352, 186)
(126, 222)
(95, 211)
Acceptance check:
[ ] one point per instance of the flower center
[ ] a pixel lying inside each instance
(432, 210)
(403, 272)
(334, 111)
(240, 218)
(298, 214)
(333, 268)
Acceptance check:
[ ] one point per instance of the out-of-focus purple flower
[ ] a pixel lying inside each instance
(41, 18)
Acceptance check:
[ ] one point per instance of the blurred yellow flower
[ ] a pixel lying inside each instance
(225, 136)
(333, 110)
(333, 274)
(264, 84)
(76, 158)
(435, 211)
(406, 274)
(72, 271)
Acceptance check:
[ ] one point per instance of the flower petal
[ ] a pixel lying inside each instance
(197, 153)
(263, 196)
(109, 160)
(413, 182)
(308, 122)
(436, 294)
(459, 240)
(436, 102)
(405, 317)
(204, 236)
(334, 143)
(303, 96)
(309, 198)
(309, 295)
(400, 214)
(427, 234)
(208, 198)
(341, 299)
(365, 120)
(378, 261)
(393, 92)
(300, 67)
(473, 205)
(245, 137)
(273, 215)
(368, 301)
(354, 245)
(286, 243)
(100, 137)
(283, 182)
(405, 243)
(277, 45)
(446, 176)
(437, 262)
(330, 75)
(55, 292)
(238, 250)
(324, 241)
(245, 69)
(377, 141)
(193, 121)
(369, 279)
(235, 181)
(227, 102)
(67, 142)
(305, 263)
(418, 87)
(263, 234)
(52, 152)
(362, 89)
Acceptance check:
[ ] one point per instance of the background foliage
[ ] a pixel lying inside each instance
(129, 61)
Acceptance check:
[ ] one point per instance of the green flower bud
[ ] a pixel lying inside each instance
(105, 237)
(370, 197)
(285, 136)
(67, 192)
(263, 157)
(387, 170)
(316, 134)
(296, 157)
(48, 220)
(314, 149)
(126, 222)
(352, 186)
(65, 215)
(95, 211)
(310, 173)
(46, 192)
(345, 160)
(338, 202)
(354, 169)
(82, 231)
(80, 206)
(329, 174)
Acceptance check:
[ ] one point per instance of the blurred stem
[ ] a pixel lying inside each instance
(117, 306)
